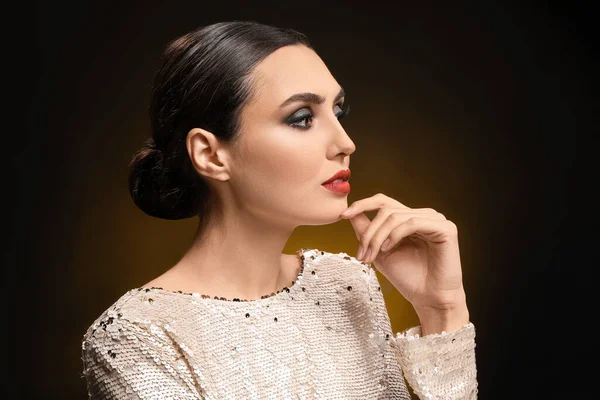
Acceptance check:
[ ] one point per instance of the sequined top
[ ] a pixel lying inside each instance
(327, 336)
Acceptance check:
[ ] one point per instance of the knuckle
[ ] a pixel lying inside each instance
(384, 212)
(396, 217)
(375, 242)
(442, 216)
(452, 227)
(430, 210)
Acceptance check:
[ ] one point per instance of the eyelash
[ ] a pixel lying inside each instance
(293, 122)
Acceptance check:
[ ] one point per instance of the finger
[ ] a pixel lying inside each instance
(369, 230)
(382, 217)
(371, 203)
(432, 230)
(360, 223)
(382, 235)
(426, 211)
(365, 229)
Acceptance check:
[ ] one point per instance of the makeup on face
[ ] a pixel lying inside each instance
(342, 187)
(338, 183)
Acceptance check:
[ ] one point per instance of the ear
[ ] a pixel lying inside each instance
(208, 156)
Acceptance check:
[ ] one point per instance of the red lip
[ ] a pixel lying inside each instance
(342, 174)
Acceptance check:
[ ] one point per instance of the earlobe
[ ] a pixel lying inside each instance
(206, 154)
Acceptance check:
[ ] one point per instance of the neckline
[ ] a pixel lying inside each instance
(286, 290)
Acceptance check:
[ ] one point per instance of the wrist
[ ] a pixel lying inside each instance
(449, 318)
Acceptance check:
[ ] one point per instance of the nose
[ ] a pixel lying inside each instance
(340, 141)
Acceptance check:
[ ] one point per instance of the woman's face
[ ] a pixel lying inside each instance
(286, 151)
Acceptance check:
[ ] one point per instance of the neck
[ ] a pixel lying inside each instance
(239, 257)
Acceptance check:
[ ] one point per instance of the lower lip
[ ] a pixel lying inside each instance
(338, 187)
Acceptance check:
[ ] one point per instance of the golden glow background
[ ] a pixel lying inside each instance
(477, 112)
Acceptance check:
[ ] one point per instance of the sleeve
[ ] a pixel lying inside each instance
(436, 366)
(125, 360)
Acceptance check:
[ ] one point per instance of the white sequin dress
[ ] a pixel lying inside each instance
(326, 336)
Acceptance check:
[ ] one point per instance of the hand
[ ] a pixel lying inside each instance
(416, 249)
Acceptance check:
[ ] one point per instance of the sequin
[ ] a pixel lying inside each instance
(299, 253)
(290, 344)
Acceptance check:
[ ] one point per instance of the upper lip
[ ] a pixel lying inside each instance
(341, 174)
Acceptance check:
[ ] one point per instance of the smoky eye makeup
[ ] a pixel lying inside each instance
(305, 113)
(299, 116)
(344, 112)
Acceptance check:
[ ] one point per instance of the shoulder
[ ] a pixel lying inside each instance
(131, 312)
(126, 340)
(342, 270)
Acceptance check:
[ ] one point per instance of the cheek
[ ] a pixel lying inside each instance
(281, 178)
(286, 160)
(282, 171)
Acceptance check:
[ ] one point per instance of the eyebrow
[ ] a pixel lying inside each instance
(311, 98)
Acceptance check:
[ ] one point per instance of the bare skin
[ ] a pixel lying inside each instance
(267, 184)
(271, 182)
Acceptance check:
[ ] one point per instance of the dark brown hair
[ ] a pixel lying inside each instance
(203, 82)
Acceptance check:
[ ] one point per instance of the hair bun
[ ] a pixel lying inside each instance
(201, 82)
(162, 190)
(151, 144)
(146, 178)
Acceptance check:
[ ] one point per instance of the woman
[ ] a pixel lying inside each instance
(246, 136)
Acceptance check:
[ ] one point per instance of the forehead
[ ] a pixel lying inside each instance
(289, 70)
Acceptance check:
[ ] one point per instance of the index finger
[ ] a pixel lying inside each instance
(371, 203)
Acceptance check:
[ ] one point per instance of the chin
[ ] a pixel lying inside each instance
(327, 218)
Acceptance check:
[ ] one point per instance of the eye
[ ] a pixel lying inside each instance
(301, 118)
(344, 112)
(298, 117)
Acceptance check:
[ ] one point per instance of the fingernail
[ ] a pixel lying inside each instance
(347, 212)
(360, 252)
(368, 255)
(385, 244)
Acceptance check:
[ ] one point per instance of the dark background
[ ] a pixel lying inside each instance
(481, 111)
